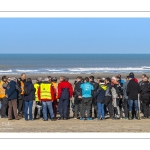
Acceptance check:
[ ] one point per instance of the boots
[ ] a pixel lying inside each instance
(138, 115)
(130, 115)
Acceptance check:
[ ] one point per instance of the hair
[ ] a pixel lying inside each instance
(127, 77)
(54, 79)
(86, 79)
(99, 78)
(66, 78)
(4, 77)
(108, 79)
(119, 75)
(29, 80)
(146, 78)
(91, 77)
(79, 77)
(23, 74)
(144, 75)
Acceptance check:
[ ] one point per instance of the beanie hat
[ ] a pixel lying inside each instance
(131, 75)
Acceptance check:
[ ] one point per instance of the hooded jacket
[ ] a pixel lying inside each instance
(31, 89)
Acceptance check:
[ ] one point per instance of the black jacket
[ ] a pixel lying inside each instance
(133, 90)
(145, 90)
(96, 87)
(31, 89)
(77, 92)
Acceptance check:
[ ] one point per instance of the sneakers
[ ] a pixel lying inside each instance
(89, 119)
(103, 119)
(82, 118)
(126, 118)
(53, 119)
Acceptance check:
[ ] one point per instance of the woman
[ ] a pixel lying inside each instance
(28, 98)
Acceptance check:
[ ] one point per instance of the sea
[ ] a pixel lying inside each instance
(74, 63)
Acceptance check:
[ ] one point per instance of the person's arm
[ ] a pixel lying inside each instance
(128, 89)
(52, 92)
(59, 90)
(70, 90)
(11, 89)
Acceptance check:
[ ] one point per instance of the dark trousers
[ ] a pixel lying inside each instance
(21, 106)
(77, 109)
(125, 107)
(86, 105)
(63, 107)
(4, 109)
(108, 103)
(120, 107)
(12, 106)
(55, 106)
(68, 110)
(94, 105)
(146, 108)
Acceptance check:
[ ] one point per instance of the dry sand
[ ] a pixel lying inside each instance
(73, 125)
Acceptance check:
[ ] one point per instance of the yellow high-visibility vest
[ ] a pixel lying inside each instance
(36, 86)
(2, 90)
(45, 91)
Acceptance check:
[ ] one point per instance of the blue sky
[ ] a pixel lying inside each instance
(75, 35)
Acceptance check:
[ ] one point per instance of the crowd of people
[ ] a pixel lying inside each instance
(104, 98)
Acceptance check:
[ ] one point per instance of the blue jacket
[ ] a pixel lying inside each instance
(87, 90)
(31, 89)
(11, 90)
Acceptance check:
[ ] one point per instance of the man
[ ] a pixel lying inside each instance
(99, 80)
(140, 84)
(125, 97)
(77, 100)
(46, 95)
(3, 99)
(11, 94)
(55, 103)
(86, 96)
(132, 93)
(65, 92)
(94, 102)
(116, 93)
(21, 82)
(108, 97)
(145, 96)
(37, 102)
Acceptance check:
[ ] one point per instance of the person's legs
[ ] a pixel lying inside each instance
(26, 110)
(76, 110)
(136, 105)
(88, 106)
(20, 106)
(55, 106)
(130, 102)
(82, 111)
(99, 109)
(44, 106)
(30, 109)
(4, 107)
(109, 105)
(65, 107)
(33, 109)
(125, 107)
(10, 110)
(95, 108)
(60, 106)
(102, 111)
(50, 108)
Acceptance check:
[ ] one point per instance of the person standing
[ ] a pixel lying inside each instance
(145, 96)
(11, 94)
(21, 82)
(100, 97)
(65, 92)
(125, 97)
(55, 103)
(94, 102)
(87, 94)
(132, 93)
(108, 97)
(29, 97)
(3, 99)
(77, 100)
(36, 102)
(46, 95)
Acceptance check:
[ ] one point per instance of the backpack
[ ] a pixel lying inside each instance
(26, 91)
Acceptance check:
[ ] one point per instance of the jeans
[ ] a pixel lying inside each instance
(100, 113)
(28, 104)
(130, 102)
(47, 104)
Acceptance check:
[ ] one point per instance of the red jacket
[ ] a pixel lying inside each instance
(52, 93)
(63, 85)
(136, 80)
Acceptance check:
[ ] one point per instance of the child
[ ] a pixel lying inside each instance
(100, 97)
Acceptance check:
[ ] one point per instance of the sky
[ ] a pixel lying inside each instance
(75, 35)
